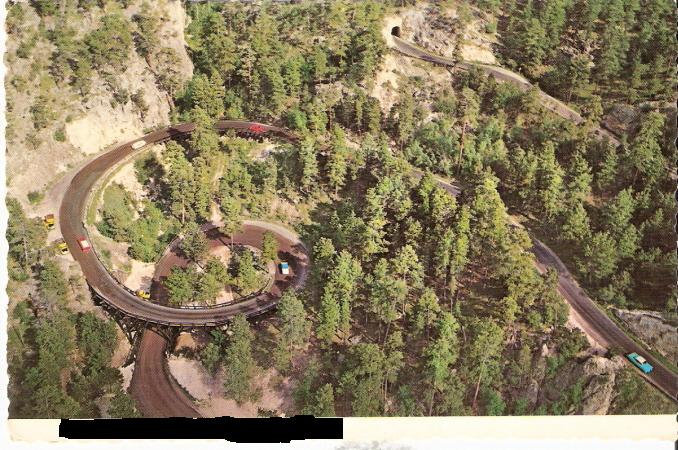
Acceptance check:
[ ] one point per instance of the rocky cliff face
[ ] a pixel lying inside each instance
(654, 329)
(452, 31)
(36, 159)
(596, 377)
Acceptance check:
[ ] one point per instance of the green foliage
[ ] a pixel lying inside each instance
(295, 329)
(638, 397)
(59, 135)
(145, 235)
(426, 312)
(195, 244)
(269, 247)
(52, 284)
(35, 197)
(322, 404)
(281, 66)
(117, 213)
(440, 354)
(46, 7)
(42, 112)
(577, 47)
(147, 168)
(97, 340)
(338, 293)
(247, 278)
(180, 285)
(109, 44)
(494, 404)
(362, 378)
(146, 38)
(600, 257)
(123, 405)
(210, 356)
(238, 361)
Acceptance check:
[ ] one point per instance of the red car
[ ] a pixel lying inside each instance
(84, 245)
(257, 129)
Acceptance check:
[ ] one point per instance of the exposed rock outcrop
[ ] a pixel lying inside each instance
(439, 29)
(86, 125)
(652, 327)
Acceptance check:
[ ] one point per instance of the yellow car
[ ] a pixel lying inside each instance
(143, 294)
(49, 221)
(62, 247)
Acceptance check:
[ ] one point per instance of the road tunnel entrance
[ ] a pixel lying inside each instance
(395, 31)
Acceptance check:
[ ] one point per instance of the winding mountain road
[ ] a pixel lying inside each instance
(71, 216)
(155, 390)
(503, 75)
(595, 322)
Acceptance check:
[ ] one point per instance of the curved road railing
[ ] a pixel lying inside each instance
(110, 290)
(119, 297)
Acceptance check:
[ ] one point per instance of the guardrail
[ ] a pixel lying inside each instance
(282, 133)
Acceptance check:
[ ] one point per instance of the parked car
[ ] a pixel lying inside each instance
(49, 221)
(143, 294)
(62, 247)
(640, 362)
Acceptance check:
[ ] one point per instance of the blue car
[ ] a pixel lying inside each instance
(640, 362)
(284, 268)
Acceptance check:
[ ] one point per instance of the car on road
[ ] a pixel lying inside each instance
(143, 294)
(49, 221)
(62, 247)
(84, 245)
(138, 144)
(258, 129)
(640, 362)
(284, 268)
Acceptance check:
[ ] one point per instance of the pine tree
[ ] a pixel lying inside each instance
(645, 157)
(324, 402)
(180, 285)
(427, 311)
(600, 257)
(309, 165)
(580, 178)
(550, 187)
(269, 246)
(484, 353)
(294, 328)
(328, 320)
(194, 244)
(606, 175)
(238, 361)
(441, 354)
(337, 163)
(576, 225)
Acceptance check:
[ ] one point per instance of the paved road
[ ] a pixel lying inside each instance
(71, 223)
(153, 388)
(504, 75)
(594, 321)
